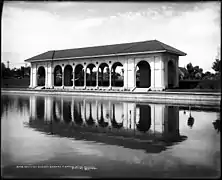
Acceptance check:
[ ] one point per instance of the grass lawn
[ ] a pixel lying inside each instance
(193, 90)
(15, 83)
(24, 83)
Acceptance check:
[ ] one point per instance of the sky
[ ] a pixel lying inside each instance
(32, 28)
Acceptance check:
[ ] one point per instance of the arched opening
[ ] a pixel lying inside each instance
(117, 74)
(67, 114)
(144, 118)
(89, 114)
(103, 114)
(78, 113)
(171, 122)
(41, 76)
(91, 75)
(40, 108)
(117, 118)
(143, 75)
(79, 75)
(171, 74)
(101, 119)
(68, 76)
(104, 74)
(58, 76)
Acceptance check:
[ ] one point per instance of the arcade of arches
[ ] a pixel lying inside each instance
(146, 118)
(157, 72)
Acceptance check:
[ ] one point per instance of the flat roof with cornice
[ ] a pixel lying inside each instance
(152, 46)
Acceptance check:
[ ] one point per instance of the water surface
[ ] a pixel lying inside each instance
(68, 136)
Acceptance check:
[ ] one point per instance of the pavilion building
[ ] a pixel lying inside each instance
(147, 65)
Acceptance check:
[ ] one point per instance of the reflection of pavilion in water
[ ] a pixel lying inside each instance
(125, 119)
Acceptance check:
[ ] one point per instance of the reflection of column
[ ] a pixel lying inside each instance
(171, 121)
(33, 102)
(45, 109)
(84, 111)
(62, 119)
(125, 113)
(48, 109)
(157, 117)
(97, 115)
(101, 118)
(153, 122)
(110, 114)
(72, 112)
(131, 114)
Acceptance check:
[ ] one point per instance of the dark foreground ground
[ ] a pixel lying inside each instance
(109, 169)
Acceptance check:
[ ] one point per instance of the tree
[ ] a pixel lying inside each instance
(2, 69)
(216, 66)
(198, 72)
(190, 70)
(208, 75)
(23, 71)
(27, 70)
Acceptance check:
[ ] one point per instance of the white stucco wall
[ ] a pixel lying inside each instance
(158, 64)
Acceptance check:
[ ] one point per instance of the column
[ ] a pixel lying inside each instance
(63, 78)
(84, 77)
(90, 77)
(102, 76)
(131, 74)
(110, 77)
(34, 76)
(126, 75)
(30, 86)
(114, 73)
(73, 75)
(97, 77)
(177, 73)
(162, 69)
(50, 76)
(46, 75)
(152, 68)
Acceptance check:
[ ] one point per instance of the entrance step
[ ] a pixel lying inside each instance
(141, 90)
(40, 87)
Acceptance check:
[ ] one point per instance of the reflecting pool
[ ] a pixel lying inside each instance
(68, 136)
